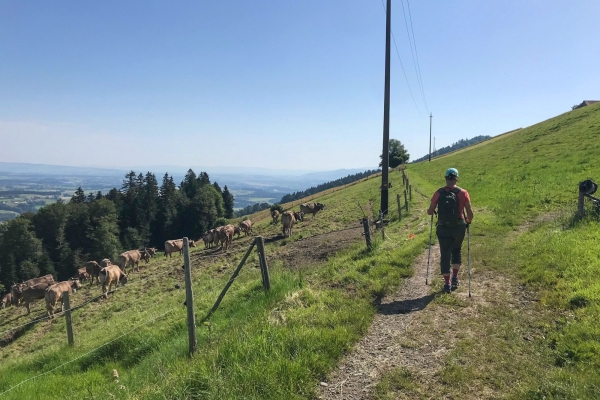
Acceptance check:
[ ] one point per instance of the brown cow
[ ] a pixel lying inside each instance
(237, 231)
(132, 257)
(93, 269)
(287, 220)
(246, 227)
(226, 235)
(6, 300)
(172, 246)
(31, 293)
(111, 275)
(81, 274)
(150, 250)
(54, 294)
(275, 216)
(311, 208)
(299, 215)
(16, 289)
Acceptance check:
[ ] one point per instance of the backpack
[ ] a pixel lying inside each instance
(448, 215)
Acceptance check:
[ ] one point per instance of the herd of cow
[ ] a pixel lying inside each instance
(109, 274)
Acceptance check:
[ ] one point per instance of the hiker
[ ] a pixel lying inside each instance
(451, 203)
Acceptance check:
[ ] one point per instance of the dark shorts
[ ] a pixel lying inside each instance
(451, 240)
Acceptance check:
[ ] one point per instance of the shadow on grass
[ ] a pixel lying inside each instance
(405, 306)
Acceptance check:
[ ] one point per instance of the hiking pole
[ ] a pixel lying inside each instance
(468, 254)
(429, 252)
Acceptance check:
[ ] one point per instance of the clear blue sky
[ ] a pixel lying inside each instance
(279, 84)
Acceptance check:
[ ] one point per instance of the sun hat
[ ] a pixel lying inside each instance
(451, 172)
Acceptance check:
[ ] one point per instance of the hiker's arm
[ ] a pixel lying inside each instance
(431, 208)
(469, 212)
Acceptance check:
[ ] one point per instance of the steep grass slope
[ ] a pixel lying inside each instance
(533, 173)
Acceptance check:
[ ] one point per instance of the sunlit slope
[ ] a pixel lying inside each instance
(536, 168)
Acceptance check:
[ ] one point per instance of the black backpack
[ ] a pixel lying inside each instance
(448, 215)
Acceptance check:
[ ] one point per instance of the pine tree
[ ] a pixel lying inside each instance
(228, 202)
(190, 185)
(78, 197)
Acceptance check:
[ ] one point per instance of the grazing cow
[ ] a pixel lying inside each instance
(111, 275)
(275, 216)
(132, 257)
(172, 246)
(105, 263)
(150, 250)
(6, 300)
(311, 208)
(31, 293)
(54, 294)
(299, 215)
(16, 289)
(93, 269)
(81, 274)
(226, 235)
(287, 220)
(246, 227)
(237, 231)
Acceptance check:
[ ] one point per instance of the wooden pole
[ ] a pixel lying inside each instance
(189, 298)
(365, 222)
(382, 225)
(235, 274)
(399, 208)
(580, 208)
(410, 192)
(67, 309)
(264, 268)
(405, 201)
(385, 158)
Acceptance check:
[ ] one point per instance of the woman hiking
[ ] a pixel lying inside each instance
(451, 203)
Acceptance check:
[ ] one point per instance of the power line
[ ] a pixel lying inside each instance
(403, 71)
(413, 50)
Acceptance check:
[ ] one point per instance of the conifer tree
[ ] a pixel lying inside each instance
(228, 202)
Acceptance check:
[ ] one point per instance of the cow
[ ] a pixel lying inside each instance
(132, 257)
(16, 289)
(172, 246)
(311, 208)
(31, 293)
(150, 250)
(111, 275)
(237, 231)
(54, 294)
(226, 235)
(299, 215)
(275, 216)
(6, 300)
(246, 227)
(287, 220)
(93, 269)
(81, 274)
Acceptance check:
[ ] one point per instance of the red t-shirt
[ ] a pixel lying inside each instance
(463, 197)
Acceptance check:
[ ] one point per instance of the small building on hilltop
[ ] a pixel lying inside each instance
(585, 103)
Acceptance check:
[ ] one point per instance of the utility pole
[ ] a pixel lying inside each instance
(385, 157)
(430, 117)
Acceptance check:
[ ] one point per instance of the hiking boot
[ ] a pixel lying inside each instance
(447, 288)
(454, 282)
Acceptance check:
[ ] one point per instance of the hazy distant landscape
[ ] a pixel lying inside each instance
(27, 187)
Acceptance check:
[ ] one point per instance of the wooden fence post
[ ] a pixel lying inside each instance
(405, 201)
(410, 192)
(189, 299)
(382, 225)
(67, 309)
(264, 268)
(230, 282)
(399, 208)
(365, 222)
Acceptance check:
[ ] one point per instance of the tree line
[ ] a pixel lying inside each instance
(327, 185)
(61, 237)
(455, 146)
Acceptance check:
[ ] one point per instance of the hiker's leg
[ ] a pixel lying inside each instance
(458, 237)
(446, 243)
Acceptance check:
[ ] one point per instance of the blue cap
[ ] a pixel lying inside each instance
(451, 172)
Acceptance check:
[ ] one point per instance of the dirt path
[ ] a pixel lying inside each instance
(388, 343)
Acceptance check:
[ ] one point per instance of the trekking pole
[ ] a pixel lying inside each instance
(468, 254)
(429, 252)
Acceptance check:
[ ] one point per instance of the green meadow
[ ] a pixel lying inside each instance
(280, 344)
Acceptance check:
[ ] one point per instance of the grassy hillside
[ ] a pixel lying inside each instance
(257, 345)
(524, 190)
